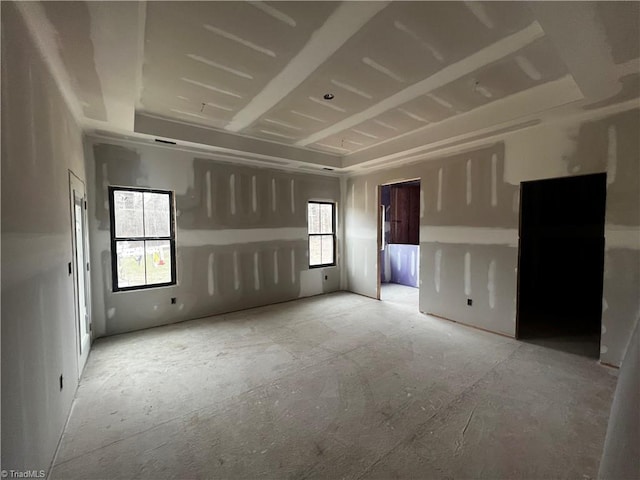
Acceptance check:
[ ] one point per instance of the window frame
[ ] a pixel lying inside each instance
(114, 239)
(332, 234)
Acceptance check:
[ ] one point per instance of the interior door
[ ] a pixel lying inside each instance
(80, 268)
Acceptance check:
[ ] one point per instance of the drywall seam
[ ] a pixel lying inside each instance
(470, 235)
(237, 236)
(493, 52)
(341, 25)
(443, 147)
(43, 35)
(618, 236)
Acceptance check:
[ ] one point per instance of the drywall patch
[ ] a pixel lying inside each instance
(491, 283)
(437, 270)
(439, 200)
(479, 235)
(467, 274)
(273, 194)
(275, 267)
(208, 185)
(236, 271)
(494, 180)
(232, 193)
(468, 178)
(211, 266)
(254, 194)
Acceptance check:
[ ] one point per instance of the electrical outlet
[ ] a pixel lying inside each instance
(61, 382)
(469, 302)
(173, 300)
(326, 277)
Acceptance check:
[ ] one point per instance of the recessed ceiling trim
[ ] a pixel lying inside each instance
(500, 49)
(341, 25)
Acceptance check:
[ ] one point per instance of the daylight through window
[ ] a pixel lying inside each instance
(142, 238)
(322, 237)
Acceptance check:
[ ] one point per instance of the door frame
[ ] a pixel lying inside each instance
(379, 226)
(77, 192)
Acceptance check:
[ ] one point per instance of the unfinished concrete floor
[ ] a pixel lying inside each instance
(335, 386)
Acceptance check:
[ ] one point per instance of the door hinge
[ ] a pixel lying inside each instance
(85, 204)
(87, 266)
(90, 326)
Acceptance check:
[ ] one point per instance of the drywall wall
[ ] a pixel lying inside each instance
(404, 264)
(40, 143)
(241, 234)
(469, 221)
(621, 454)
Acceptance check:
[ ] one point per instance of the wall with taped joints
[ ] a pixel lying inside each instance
(241, 234)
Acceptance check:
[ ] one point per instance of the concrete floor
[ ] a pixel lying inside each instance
(335, 386)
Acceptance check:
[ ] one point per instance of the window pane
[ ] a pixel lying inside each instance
(326, 218)
(156, 215)
(313, 213)
(327, 249)
(315, 250)
(158, 261)
(130, 259)
(128, 213)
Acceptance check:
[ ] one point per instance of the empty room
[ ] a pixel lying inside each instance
(299, 239)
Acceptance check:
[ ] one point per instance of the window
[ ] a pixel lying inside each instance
(322, 234)
(143, 241)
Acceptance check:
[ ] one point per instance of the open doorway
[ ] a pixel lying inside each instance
(561, 263)
(399, 272)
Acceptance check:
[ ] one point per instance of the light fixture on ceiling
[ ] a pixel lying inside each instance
(328, 96)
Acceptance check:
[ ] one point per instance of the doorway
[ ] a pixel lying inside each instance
(80, 268)
(399, 242)
(561, 263)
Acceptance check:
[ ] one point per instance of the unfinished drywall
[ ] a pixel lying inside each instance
(469, 221)
(468, 236)
(241, 234)
(40, 143)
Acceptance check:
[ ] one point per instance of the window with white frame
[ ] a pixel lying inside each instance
(321, 223)
(142, 238)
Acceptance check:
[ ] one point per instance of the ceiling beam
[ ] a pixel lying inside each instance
(341, 25)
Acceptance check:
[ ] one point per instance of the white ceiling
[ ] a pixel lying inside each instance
(406, 76)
